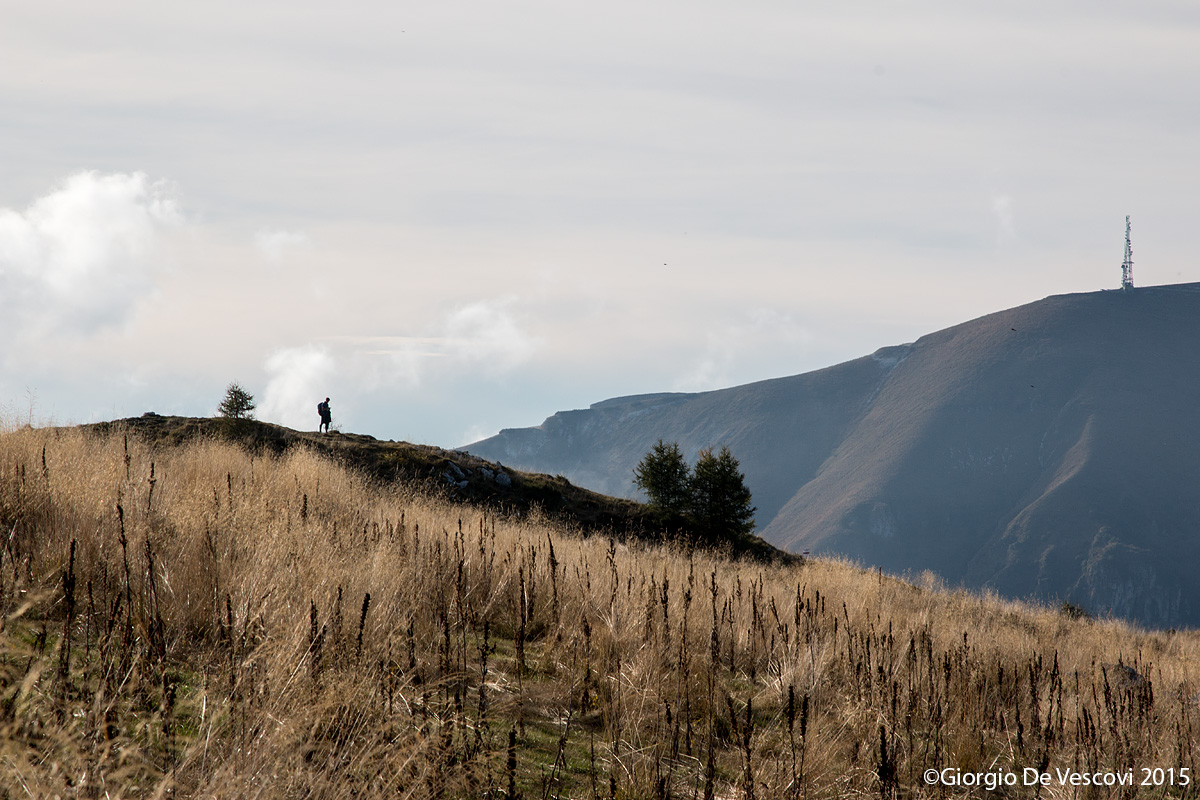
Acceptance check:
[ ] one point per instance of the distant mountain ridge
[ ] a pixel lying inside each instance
(1050, 450)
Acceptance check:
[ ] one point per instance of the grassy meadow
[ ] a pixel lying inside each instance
(200, 621)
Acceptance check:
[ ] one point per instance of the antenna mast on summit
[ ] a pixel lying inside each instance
(1127, 267)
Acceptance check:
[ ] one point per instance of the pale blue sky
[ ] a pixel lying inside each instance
(462, 216)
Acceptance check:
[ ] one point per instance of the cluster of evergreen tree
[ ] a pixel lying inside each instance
(710, 499)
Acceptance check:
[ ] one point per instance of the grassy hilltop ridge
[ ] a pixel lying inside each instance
(456, 475)
(208, 620)
(434, 468)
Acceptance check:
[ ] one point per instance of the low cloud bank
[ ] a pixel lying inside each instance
(297, 379)
(484, 337)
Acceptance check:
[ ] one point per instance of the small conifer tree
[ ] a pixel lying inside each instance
(238, 403)
(663, 475)
(721, 503)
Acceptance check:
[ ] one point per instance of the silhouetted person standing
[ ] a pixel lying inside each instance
(326, 417)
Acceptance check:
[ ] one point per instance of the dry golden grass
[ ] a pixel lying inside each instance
(241, 626)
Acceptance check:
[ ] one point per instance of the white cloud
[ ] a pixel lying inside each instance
(735, 351)
(389, 373)
(274, 244)
(297, 379)
(475, 433)
(1002, 208)
(80, 257)
(485, 333)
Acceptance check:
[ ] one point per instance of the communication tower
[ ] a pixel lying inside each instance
(1127, 267)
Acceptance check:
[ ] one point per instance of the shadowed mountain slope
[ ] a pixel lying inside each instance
(1050, 450)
